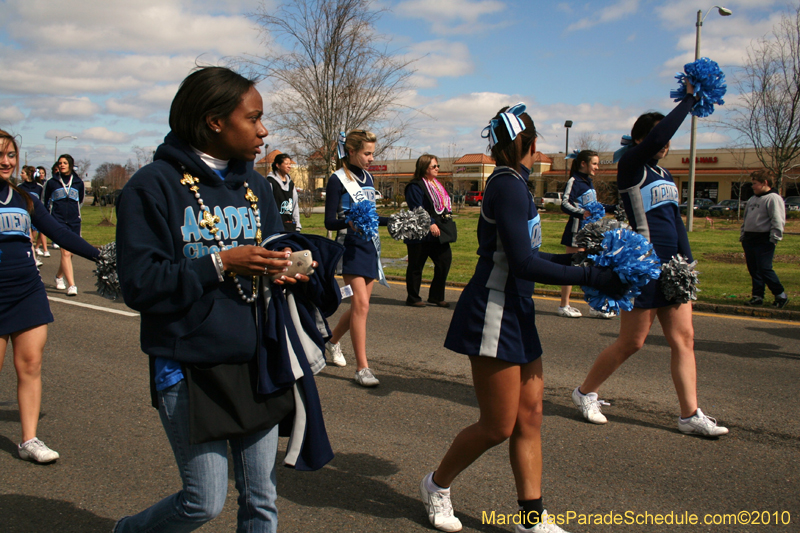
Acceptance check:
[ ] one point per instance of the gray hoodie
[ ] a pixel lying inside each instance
(765, 213)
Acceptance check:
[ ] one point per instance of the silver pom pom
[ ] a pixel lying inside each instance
(412, 225)
(590, 238)
(679, 280)
(107, 281)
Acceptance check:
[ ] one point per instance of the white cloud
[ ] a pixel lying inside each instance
(11, 115)
(622, 9)
(63, 108)
(683, 13)
(452, 16)
(104, 135)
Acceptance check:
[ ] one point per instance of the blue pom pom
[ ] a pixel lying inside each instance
(596, 212)
(364, 218)
(632, 257)
(708, 82)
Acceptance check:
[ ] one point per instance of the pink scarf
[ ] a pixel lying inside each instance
(439, 196)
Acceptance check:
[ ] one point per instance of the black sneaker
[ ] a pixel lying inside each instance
(755, 300)
(779, 302)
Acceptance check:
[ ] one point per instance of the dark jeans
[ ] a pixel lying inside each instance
(758, 254)
(418, 253)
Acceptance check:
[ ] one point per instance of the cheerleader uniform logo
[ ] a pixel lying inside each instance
(287, 207)
(15, 221)
(659, 193)
(587, 197)
(234, 223)
(535, 232)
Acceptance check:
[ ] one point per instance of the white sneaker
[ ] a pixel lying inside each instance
(546, 525)
(600, 314)
(439, 507)
(38, 263)
(47, 253)
(55, 246)
(36, 451)
(589, 405)
(700, 424)
(39, 252)
(334, 353)
(72, 291)
(60, 284)
(569, 312)
(366, 378)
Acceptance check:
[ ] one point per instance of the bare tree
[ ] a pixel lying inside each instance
(334, 73)
(768, 112)
(82, 168)
(607, 191)
(592, 141)
(143, 156)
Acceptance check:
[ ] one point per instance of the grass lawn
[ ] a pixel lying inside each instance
(723, 274)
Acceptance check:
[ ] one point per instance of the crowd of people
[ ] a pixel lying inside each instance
(234, 332)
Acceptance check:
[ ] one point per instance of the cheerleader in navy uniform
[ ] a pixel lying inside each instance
(651, 198)
(361, 262)
(494, 323)
(63, 196)
(285, 193)
(30, 186)
(578, 193)
(24, 310)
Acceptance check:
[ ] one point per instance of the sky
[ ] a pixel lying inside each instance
(106, 71)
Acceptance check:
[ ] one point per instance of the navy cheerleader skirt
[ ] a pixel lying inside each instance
(23, 299)
(489, 323)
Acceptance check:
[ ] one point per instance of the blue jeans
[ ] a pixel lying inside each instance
(758, 255)
(204, 472)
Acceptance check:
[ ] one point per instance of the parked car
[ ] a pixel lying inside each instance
(792, 203)
(474, 198)
(549, 198)
(699, 203)
(378, 195)
(726, 207)
(319, 194)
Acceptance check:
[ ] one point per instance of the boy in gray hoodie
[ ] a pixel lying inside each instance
(762, 228)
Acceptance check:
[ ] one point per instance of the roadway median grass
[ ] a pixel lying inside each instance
(723, 274)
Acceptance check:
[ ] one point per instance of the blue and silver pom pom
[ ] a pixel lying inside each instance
(596, 211)
(708, 82)
(414, 225)
(364, 219)
(632, 257)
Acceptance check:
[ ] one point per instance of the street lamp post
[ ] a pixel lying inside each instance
(567, 126)
(55, 150)
(693, 137)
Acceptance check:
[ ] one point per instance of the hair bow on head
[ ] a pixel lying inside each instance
(510, 119)
(36, 174)
(340, 145)
(627, 143)
(573, 155)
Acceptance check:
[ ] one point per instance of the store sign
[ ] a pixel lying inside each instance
(713, 159)
(377, 168)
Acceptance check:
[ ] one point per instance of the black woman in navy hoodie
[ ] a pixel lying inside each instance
(187, 249)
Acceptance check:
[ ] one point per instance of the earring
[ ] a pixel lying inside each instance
(217, 130)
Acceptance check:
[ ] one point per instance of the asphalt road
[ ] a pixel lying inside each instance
(115, 459)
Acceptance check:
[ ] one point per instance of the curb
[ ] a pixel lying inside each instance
(720, 309)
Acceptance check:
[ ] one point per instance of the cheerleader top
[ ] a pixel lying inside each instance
(32, 188)
(578, 192)
(649, 193)
(15, 230)
(63, 197)
(509, 238)
(338, 201)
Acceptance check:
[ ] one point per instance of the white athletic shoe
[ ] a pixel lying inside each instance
(72, 291)
(334, 352)
(55, 246)
(569, 312)
(36, 451)
(38, 263)
(542, 527)
(39, 252)
(366, 378)
(589, 405)
(47, 253)
(60, 284)
(700, 424)
(600, 314)
(439, 507)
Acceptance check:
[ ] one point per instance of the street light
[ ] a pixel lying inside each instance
(724, 12)
(55, 150)
(567, 125)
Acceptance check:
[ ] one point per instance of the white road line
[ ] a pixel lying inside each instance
(90, 306)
